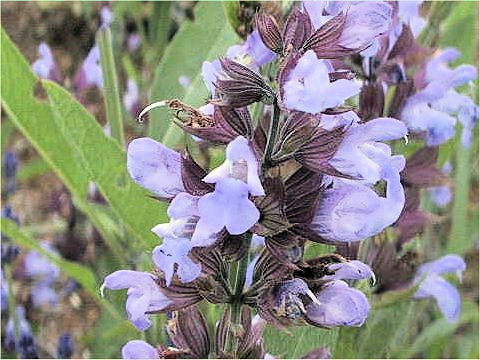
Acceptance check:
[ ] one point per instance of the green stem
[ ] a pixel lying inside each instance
(236, 304)
(459, 241)
(272, 135)
(113, 106)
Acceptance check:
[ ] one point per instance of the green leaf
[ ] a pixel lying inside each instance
(298, 341)
(206, 38)
(75, 146)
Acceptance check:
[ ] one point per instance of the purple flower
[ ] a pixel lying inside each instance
(4, 292)
(433, 285)
(253, 53)
(430, 109)
(39, 267)
(175, 251)
(353, 212)
(338, 305)
(143, 295)
(131, 99)
(185, 81)
(350, 270)
(24, 345)
(441, 195)
(366, 20)
(316, 11)
(43, 294)
(211, 71)
(408, 14)
(10, 168)
(308, 87)
(133, 42)
(139, 349)
(45, 66)
(155, 167)
(90, 73)
(227, 207)
(362, 155)
(65, 346)
(238, 152)
(106, 16)
(463, 108)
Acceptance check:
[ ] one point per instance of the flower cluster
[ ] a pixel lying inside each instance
(310, 168)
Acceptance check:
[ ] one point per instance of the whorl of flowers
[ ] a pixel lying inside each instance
(310, 168)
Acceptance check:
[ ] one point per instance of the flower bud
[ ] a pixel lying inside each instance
(269, 32)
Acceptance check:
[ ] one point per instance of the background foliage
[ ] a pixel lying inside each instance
(63, 143)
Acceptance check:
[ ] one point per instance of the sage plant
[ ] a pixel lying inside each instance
(302, 164)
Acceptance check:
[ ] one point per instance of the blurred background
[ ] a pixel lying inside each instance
(72, 232)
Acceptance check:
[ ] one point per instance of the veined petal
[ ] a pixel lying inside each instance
(155, 167)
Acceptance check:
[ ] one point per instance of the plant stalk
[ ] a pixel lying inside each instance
(272, 135)
(238, 282)
(113, 106)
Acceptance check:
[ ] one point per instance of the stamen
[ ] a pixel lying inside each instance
(150, 107)
(312, 296)
(406, 139)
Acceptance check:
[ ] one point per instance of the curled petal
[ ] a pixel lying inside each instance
(139, 349)
(339, 305)
(124, 279)
(447, 264)
(350, 270)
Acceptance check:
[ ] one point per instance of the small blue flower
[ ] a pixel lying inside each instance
(227, 207)
(65, 346)
(90, 73)
(106, 16)
(430, 110)
(139, 349)
(143, 295)
(338, 305)
(253, 53)
(308, 87)
(175, 251)
(433, 285)
(24, 345)
(4, 292)
(131, 99)
(45, 66)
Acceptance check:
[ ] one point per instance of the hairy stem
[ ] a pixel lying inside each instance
(272, 135)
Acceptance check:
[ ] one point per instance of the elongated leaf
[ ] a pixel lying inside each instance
(73, 143)
(299, 342)
(206, 38)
